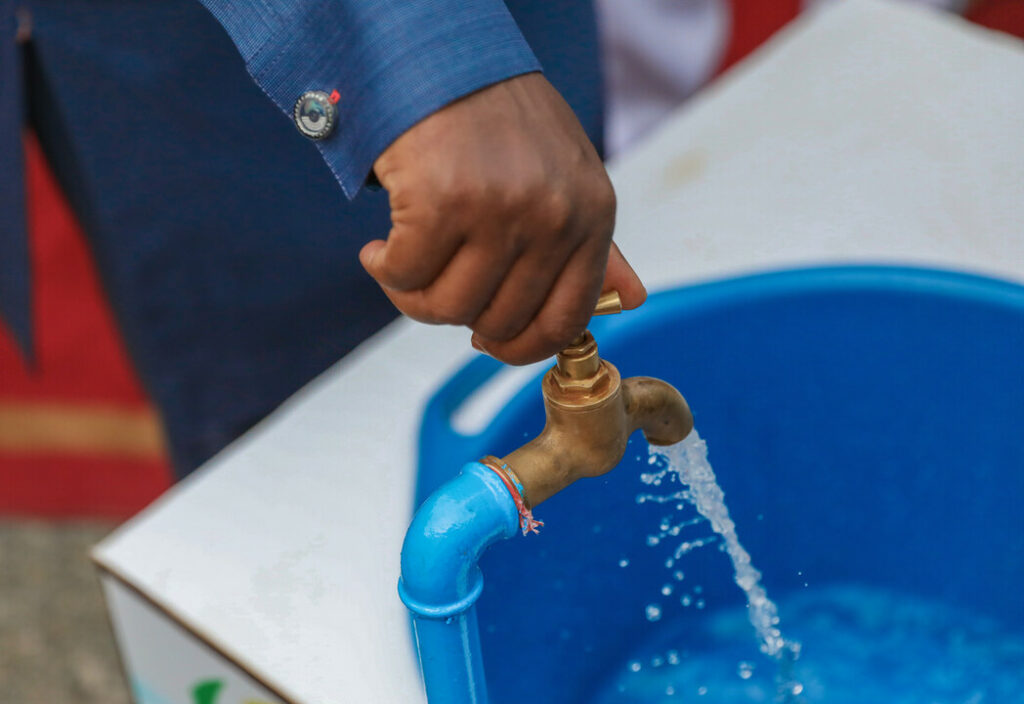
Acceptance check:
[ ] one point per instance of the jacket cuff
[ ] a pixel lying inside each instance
(391, 63)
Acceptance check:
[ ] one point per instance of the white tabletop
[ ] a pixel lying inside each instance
(868, 133)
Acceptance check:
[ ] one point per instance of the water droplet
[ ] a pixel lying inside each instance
(745, 670)
(623, 562)
(653, 612)
(797, 688)
(678, 575)
(657, 661)
(653, 540)
(670, 690)
(685, 600)
(666, 589)
(653, 459)
(701, 691)
(700, 603)
(673, 657)
(635, 666)
(669, 562)
(698, 589)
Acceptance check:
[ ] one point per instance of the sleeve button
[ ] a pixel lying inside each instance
(315, 114)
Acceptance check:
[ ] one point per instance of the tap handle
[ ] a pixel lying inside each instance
(608, 303)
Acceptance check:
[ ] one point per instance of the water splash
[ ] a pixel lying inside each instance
(688, 462)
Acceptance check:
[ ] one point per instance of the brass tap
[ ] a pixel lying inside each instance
(591, 412)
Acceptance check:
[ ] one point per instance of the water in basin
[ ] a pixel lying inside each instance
(863, 644)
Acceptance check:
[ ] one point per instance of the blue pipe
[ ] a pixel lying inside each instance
(441, 581)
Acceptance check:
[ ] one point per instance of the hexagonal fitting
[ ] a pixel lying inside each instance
(594, 384)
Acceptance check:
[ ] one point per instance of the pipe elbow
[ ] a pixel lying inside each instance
(446, 538)
(658, 409)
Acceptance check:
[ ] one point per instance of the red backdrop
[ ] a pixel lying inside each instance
(77, 433)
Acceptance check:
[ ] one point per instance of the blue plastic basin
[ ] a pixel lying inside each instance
(866, 424)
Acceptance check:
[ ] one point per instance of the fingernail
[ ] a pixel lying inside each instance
(477, 346)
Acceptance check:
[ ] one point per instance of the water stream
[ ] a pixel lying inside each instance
(686, 465)
(689, 461)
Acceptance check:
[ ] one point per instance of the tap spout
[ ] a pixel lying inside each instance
(658, 409)
(591, 412)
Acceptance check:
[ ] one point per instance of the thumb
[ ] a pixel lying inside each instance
(620, 276)
(368, 253)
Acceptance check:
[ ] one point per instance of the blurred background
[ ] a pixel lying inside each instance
(81, 446)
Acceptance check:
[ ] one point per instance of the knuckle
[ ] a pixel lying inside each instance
(557, 209)
(515, 196)
(604, 198)
(523, 185)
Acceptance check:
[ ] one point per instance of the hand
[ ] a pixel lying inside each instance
(502, 217)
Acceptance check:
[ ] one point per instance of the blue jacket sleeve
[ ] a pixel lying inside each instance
(392, 62)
